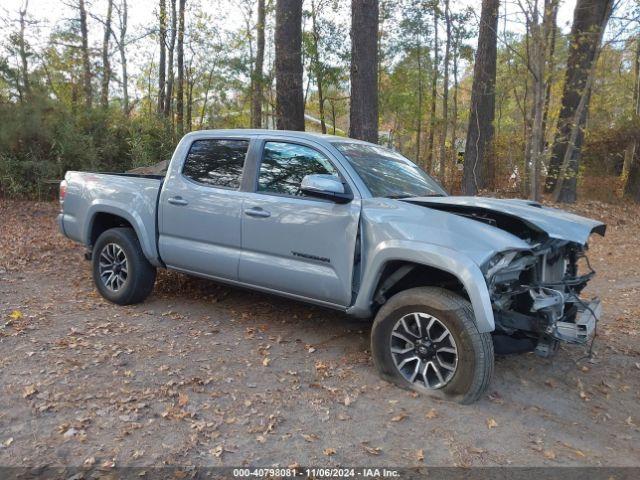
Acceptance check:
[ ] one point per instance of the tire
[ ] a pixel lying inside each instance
(132, 287)
(473, 358)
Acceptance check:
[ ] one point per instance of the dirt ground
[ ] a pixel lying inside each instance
(204, 374)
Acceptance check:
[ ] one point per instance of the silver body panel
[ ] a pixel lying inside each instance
(303, 247)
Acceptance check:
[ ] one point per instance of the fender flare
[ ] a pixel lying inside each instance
(442, 258)
(115, 208)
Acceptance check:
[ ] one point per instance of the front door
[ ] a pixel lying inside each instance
(201, 207)
(293, 243)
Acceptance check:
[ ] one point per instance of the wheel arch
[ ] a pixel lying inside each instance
(105, 216)
(394, 266)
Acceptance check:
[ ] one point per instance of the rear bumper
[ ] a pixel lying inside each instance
(585, 324)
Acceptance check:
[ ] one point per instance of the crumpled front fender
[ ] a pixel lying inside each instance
(443, 258)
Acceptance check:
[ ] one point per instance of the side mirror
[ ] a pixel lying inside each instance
(325, 186)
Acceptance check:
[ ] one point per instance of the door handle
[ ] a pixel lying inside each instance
(177, 201)
(257, 212)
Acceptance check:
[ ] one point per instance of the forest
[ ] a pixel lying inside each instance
(530, 98)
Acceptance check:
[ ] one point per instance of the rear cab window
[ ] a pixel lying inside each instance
(216, 162)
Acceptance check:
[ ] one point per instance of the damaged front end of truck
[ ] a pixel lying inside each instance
(536, 297)
(536, 292)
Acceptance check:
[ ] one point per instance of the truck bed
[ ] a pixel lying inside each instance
(128, 195)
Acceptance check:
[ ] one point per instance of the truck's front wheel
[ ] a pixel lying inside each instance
(121, 272)
(426, 339)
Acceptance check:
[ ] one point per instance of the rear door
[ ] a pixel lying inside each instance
(201, 206)
(293, 243)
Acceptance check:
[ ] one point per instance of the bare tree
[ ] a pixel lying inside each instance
(180, 88)
(170, 74)
(121, 42)
(318, 69)
(363, 115)
(106, 65)
(86, 65)
(589, 21)
(162, 62)
(257, 80)
(420, 98)
(632, 185)
(445, 94)
(480, 131)
(288, 64)
(22, 49)
(540, 26)
(434, 90)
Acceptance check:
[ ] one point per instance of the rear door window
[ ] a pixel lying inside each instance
(216, 162)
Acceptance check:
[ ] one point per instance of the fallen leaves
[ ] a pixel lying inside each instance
(399, 417)
(311, 437)
(29, 391)
(7, 443)
(419, 455)
(217, 451)
(329, 451)
(581, 391)
(431, 414)
(375, 451)
(549, 454)
(137, 454)
(491, 423)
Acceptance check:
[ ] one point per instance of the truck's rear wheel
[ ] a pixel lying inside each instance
(426, 339)
(121, 272)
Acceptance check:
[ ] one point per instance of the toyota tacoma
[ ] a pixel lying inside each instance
(349, 225)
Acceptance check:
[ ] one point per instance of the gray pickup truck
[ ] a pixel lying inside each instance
(352, 226)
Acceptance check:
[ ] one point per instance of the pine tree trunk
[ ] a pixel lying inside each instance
(257, 78)
(162, 62)
(589, 19)
(106, 65)
(86, 65)
(363, 114)
(288, 63)
(480, 131)
(180, 88)
(168, 99)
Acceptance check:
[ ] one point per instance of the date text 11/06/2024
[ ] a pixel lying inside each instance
(316, 472)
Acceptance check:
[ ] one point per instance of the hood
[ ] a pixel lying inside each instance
(387, 220)
(523, 218)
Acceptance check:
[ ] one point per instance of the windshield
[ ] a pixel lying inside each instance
(387, 173)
